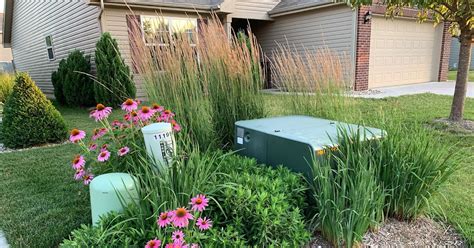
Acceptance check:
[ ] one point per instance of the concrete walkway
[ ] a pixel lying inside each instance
(3, 240)
(439, 88)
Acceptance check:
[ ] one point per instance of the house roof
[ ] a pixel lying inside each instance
(291, 6)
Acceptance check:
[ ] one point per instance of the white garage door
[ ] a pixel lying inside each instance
(403, 51)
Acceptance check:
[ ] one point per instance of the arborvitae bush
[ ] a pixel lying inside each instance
(29, 118)
(72, 83)
(115, 83)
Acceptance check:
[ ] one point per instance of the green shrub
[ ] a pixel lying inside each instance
(56, 79)
(414, 164)
(29, 118)
(6, 86)
(264, 204)
(72, 84)
(348, 199)
(114, 80)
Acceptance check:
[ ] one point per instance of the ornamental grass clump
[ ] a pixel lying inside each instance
(209, 79)
(344, 187)
(29, 118)
(115, 145)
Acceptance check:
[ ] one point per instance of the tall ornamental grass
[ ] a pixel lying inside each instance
(315, 80)
(210, 79)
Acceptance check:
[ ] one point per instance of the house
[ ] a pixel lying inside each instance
(5, 52)
(454, 57)
(383, 52)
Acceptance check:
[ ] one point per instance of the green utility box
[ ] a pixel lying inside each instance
(292, 141)
(110, 192)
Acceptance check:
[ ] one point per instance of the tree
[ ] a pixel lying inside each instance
(114, 80)
(457, 12)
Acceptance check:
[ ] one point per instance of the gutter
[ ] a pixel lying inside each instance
(163, 6)
(303, 8)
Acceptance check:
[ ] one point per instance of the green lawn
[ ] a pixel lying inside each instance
(452, 75)
(40, 203)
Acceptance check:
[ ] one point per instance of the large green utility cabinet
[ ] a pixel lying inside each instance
(292, 141)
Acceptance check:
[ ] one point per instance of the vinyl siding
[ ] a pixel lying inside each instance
(115, 22)
(454, 56)
(333, 27)
(73, 24)
(252, 9)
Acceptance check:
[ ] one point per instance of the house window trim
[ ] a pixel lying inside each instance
(170, 34)
(50, 47)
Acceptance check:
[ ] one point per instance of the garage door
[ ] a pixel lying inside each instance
(403, 51)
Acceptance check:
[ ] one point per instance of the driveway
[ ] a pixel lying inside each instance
(439, 88)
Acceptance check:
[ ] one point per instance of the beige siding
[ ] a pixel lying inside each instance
(72, 23)
(333, 27)
(115, 22)
(253, 9)
(5, 53)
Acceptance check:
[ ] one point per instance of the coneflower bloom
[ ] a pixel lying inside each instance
(116, 123)
(176, 126)
(98, 132)
(181, 217)
(164, 219)
(129, 105)
(88, 178)
(134, 116)
(166, 115)
(199, 203)
(78, 162)
(145, 113)
(77, 135)
(194, 245)
(103, 147)
(127, 117)
(79, 174)
(154, 243)
(176, 245)
(203, 223)
(100, 112)
(103, 156)
(157, 108)
(122, 151)
(178, 236)
(92, 147)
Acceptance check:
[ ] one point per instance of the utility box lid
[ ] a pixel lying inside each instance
(316, 132)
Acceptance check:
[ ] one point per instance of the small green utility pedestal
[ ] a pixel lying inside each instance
(110, 192)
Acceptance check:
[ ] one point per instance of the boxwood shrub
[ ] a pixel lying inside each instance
(29, 118)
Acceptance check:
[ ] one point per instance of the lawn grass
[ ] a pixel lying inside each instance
(452, 75)
(40, 203)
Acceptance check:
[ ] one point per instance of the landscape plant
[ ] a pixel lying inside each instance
(211, 80)
(29, 118)
(115, 144)
(72, 81)
(114, 83)
(6, 86)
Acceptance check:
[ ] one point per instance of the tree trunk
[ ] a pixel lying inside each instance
(457, 108)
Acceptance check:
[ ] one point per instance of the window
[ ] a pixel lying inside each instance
(160, 31)
(49, 47)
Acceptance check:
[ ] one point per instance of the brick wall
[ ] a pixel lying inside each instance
(362, 50)
(445, 52)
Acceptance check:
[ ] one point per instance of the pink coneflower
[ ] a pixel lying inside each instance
(122, 151)
(103, 156)
(100, 112)
(104, 147)
(194, 245)
(154, 243)
(116, 124)
(157, 108)
(134, 116)
(127, 117)
(199, 203)
(77, 135)
(166, 115)
(92, 147)
(178, 236)
(98, 132)
(164, 219)
(176, 245)
(145, 113)
(203, 223)
(181, 217)
(78, 162)
(129, 105)
(88, 178)
(79, 174)
(176, 126)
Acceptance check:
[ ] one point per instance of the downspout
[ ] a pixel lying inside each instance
(101, 24)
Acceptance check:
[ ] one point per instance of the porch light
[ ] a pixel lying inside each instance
(367, 16)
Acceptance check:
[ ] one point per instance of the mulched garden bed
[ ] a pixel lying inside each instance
(423, 232)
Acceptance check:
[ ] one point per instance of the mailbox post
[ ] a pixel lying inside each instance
(160, 143)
